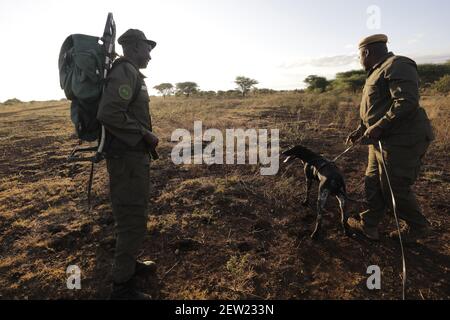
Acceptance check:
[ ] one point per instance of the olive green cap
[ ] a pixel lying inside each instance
(134, 35)
(373, 39)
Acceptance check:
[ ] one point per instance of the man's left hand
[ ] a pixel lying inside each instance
(374, 132)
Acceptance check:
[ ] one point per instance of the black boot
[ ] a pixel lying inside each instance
(145, 268)
(128, 291)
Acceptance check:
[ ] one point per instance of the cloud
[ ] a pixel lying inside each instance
(293, 73)
(432, 58)
(323, 62)
(351, 46)
(351, 61)
(416, 38)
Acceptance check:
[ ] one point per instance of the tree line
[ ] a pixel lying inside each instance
(432, 76)
(187, 89)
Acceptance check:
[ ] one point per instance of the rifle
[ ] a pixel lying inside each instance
(109, 40)
(109, 45)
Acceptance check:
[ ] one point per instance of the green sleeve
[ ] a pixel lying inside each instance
(113, 109)
(403, 83)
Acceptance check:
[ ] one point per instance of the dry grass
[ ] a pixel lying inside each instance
(229, 232)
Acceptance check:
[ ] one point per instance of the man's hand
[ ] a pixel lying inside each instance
(374, 133)
(151, 139)
(354, 136)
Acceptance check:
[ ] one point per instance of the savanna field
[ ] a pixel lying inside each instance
(216, 231)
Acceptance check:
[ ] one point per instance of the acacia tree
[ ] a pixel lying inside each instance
(245, 84)
(187, 88)
(351, 80)
(166, 89)
(317, 83)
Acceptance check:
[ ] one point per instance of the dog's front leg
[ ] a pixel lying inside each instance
(344, 217)
(308, 191)
(309, 180)
(321, 201)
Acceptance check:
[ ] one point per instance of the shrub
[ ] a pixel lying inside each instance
(442, 85)
(12, 101)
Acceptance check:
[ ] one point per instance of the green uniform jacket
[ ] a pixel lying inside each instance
(391, 101)
(124, 106)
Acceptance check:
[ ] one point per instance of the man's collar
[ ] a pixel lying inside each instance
(134, 65)
(382, 60)
(379, 63)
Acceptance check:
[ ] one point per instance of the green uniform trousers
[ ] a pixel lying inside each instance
(403, 164)
(129, 191)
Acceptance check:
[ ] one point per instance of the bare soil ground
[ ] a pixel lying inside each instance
(216, 232)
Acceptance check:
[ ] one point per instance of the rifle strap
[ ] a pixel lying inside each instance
(91, 179)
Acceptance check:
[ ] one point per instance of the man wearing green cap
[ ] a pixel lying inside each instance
(390, 112)
(124, 112)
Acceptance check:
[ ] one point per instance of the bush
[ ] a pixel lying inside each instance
(316, 84)
(350, 81)
(12, 101)
(264, 91)
(430, 73)
(442, 85)
(229, 94)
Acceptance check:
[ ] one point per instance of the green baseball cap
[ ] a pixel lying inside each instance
(134, 35)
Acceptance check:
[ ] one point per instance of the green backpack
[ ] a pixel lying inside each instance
(84, 62)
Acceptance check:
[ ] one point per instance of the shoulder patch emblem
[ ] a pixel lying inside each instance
(125, 92)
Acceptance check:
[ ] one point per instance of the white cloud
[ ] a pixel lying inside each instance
(323, 62)
(431, 58)
(353, 47)
(416, 38)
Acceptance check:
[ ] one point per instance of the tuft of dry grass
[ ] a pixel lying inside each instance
(438, 110)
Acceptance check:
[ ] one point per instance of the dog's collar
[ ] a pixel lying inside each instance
(323, 165)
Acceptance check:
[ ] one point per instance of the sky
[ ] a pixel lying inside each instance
(277, 42)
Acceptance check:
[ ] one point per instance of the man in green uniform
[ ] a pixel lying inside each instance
(390, 113)
(124, 111)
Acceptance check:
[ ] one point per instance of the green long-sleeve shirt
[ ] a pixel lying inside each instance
(124, 106)
(390, 101)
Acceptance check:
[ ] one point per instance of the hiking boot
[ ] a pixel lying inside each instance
(411, 234)
(145, 268)
(359, 227)
(127, 291)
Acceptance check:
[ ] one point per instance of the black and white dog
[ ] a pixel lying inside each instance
(331, 182)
